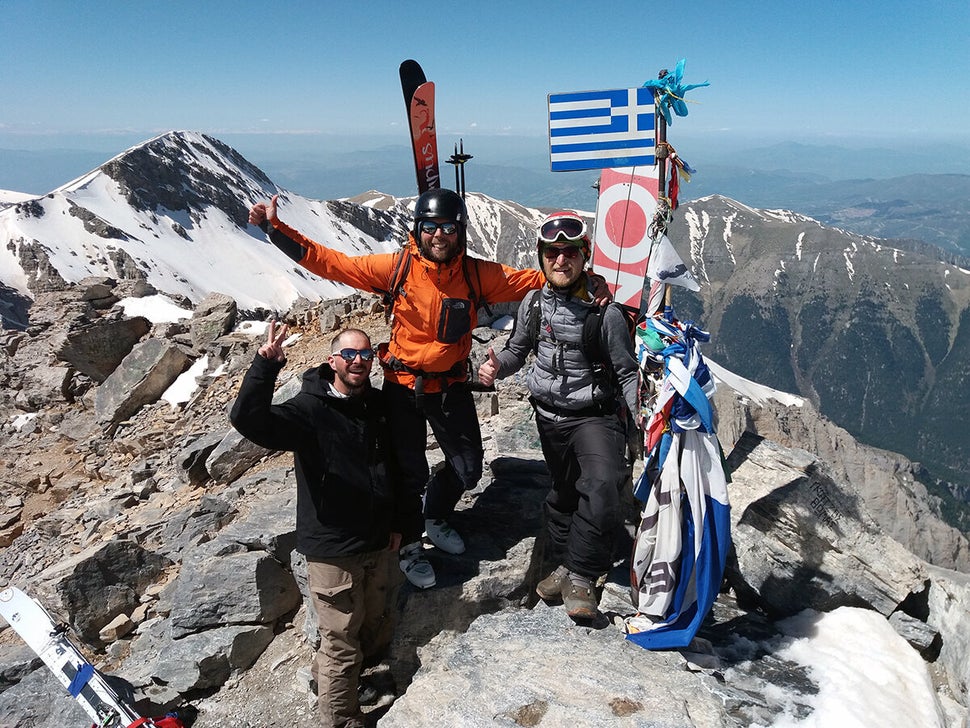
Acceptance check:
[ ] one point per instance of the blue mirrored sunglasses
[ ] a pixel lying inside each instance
(348, 355)
(430, 226)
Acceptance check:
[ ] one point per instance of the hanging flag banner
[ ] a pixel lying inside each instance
(599, 129)
(621, 242)
(667, 267)
(682, 542)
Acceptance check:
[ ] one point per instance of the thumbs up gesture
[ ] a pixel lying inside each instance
(488, 369)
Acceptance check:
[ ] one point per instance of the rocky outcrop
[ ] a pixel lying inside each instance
(141, 378)
(97, 349)
(166, 542)
(887, 482)
(102, 582)
(804, 540)
(96, 225)
(214, 316)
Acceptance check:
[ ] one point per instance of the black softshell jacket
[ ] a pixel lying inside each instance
(345, 502)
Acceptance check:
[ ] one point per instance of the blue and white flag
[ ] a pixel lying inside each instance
(682, 544)
(684, 536)
(599, 129)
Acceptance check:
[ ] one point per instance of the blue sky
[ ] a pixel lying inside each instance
(863, 69)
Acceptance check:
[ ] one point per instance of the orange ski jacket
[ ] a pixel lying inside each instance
(433, 317)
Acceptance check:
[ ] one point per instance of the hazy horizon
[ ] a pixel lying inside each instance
(37, 164)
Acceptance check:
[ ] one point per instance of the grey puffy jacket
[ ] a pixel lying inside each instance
(561, 377)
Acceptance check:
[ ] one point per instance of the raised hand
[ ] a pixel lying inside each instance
(488, 369)
(273, 348)
(261, 212)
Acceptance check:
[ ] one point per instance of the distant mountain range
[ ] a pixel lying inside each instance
(875, 191)
(876, 334)
(908, 190)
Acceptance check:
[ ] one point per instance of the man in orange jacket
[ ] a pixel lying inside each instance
(426, 361)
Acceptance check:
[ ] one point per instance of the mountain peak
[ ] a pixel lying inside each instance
(175, 210)
(187, 171)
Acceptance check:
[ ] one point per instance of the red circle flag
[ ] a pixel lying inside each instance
(627, 203)
(626, 220)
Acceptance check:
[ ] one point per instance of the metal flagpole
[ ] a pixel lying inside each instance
(658, 226)
(662, 151)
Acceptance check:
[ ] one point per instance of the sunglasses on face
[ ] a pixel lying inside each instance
(552, 252)
(429, 227)
(348, 355)
(569, 228)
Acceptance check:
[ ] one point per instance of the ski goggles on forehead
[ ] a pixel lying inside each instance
(430, 226)
(348, 355)
(572, 229)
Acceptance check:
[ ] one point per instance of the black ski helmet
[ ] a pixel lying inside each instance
(440, 203)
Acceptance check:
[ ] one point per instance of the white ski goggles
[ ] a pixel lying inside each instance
(570, 228)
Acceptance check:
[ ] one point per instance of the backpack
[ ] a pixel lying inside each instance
(399, 274)
(591, 341)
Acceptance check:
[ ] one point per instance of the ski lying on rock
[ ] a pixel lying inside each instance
(92, 690)
(419, 100)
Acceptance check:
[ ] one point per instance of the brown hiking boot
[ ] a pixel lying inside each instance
(579, 596)
(550, 588)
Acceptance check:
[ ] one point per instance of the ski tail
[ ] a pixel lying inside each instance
(108, 700)
(419, 99)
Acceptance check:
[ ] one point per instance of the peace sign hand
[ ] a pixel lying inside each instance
(273, 348)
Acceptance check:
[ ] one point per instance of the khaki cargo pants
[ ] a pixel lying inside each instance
(355, 598)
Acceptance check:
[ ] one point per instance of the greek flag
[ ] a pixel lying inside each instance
(599, 129)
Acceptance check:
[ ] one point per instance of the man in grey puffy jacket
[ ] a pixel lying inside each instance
(582, 378)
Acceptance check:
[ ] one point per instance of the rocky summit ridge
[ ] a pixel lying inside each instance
(165, 541)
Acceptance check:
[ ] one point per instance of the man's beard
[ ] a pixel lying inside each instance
(352, 386)
(428, 252)
(567, 287)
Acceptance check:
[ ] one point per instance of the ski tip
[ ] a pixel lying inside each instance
(8, 593)
(411, 68)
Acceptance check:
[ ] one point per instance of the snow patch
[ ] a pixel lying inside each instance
(158, 309)
(182, 389)
(18, 421)
(867, 674)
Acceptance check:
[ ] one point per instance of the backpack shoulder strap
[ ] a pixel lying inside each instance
(592, 337)
(477, 299)
(533, 317)
(395, 282)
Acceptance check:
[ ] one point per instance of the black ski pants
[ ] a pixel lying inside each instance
(454, 422)
(585, 457)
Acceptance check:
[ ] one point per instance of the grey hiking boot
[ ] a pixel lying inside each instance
(579, 596)
(550, 588)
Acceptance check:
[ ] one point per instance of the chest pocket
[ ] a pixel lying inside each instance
(455, 320)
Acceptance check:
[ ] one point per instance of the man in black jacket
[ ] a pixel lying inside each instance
(349, 508)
